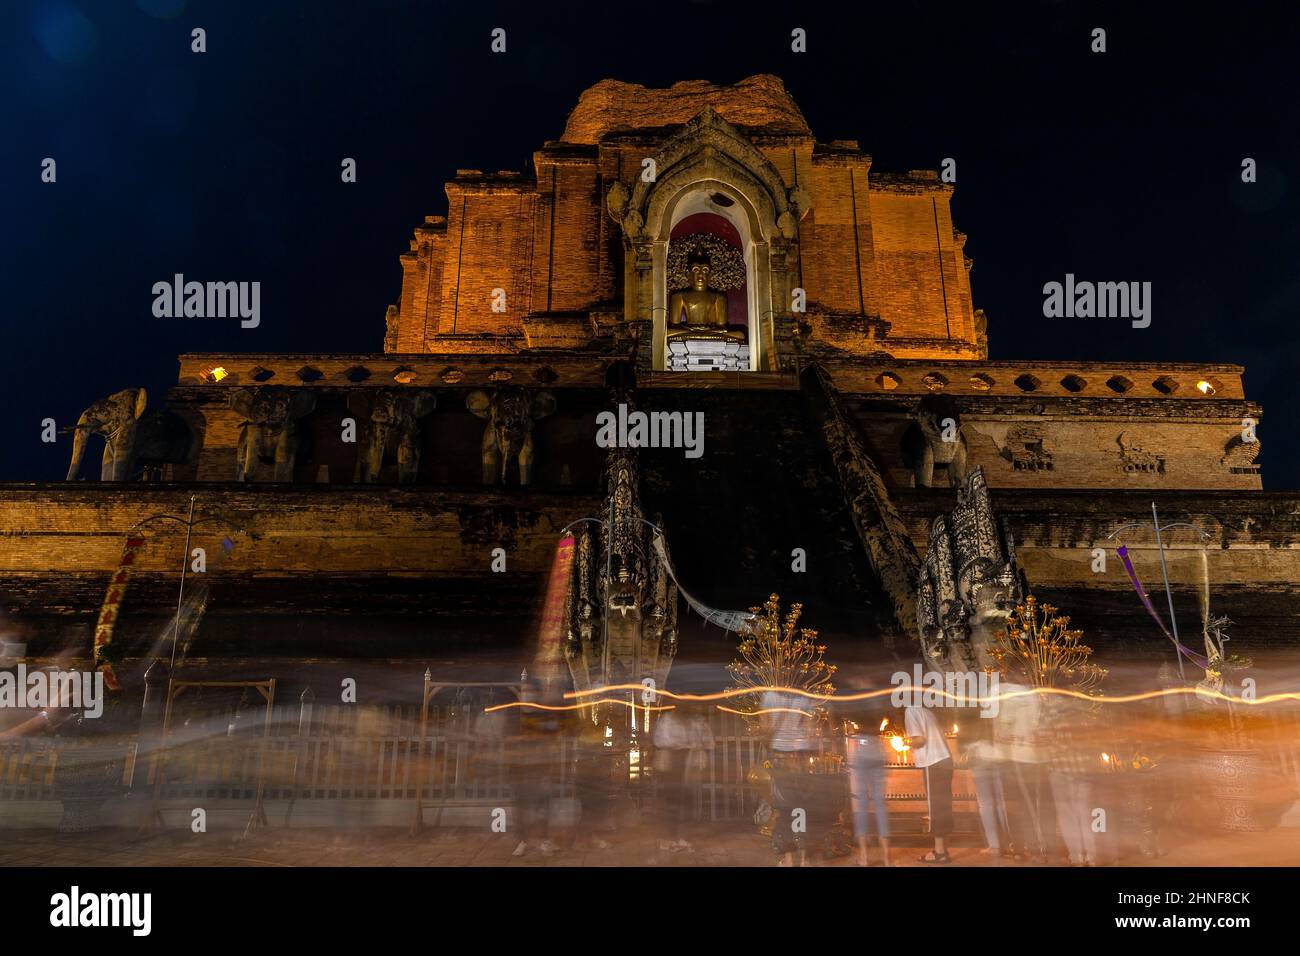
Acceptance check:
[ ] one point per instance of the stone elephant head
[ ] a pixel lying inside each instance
(394, 422)
(933, 446)
(114, 417)
(508, 436)
(269, 431)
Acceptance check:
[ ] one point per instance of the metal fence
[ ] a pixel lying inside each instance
(354, 753)
(350, 753)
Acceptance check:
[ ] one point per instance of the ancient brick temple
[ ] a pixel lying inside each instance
(693, 250)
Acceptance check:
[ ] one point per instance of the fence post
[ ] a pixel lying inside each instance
(151, 712)
(306, 704)
(417, 817)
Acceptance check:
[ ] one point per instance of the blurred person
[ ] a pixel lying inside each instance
(866, 760)
(64, 706)
(682, 739)
(1018, 743)
(535, 758)
(985, 761)
(788, 720)
(1070, 766)
(930, 752)
(701, 754)
(1144, 792)
(672, 742)
(595, 766)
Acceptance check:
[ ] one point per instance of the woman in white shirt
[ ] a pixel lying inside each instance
(930, 753)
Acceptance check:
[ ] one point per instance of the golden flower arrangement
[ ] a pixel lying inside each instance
(1038, 646)
(776, 652)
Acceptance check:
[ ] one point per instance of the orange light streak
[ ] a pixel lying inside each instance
(964, 698)
(584, 704)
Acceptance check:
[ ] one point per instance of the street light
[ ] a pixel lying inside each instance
(1164, 570)
(190, 524)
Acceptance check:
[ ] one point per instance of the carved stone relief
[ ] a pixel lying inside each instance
(1024, 448)
(1136, 458)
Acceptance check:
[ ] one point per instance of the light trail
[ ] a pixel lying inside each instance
(570, 707)
(967, 699)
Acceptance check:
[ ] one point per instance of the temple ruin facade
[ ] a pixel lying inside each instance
(695, 249)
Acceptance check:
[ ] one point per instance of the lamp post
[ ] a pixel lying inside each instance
(190, 524)
(1164, 569)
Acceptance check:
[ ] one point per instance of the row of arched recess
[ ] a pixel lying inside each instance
(1072, 383)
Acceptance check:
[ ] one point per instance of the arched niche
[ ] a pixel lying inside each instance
(746, 214)
(712, 214)
(708, 159)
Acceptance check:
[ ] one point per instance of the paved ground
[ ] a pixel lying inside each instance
(738, 846)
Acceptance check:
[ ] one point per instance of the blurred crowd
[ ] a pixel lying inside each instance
(1041, 780)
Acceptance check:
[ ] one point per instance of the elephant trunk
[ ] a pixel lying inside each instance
(78, 446)
(509, 442)
(375, 451)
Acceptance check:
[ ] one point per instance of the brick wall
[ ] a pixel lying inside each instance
(871, 244)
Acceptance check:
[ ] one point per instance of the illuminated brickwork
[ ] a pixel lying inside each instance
(877, 254)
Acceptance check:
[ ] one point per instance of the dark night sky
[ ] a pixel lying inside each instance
(225, 165)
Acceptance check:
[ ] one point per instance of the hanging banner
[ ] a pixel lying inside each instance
(112, 605)
(555, 613)
(1191, 655)
(727, 620)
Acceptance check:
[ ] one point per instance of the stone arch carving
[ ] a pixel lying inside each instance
(708, 169)
(709, 156)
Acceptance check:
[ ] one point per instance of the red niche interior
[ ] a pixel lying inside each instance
(713, 224)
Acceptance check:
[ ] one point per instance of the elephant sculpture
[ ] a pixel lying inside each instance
(394, 416)
(269, 432)
(133, 438)
(935, 443)
(116, 418)
(510, 412)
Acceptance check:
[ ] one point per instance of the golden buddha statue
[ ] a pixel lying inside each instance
(699, 312)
